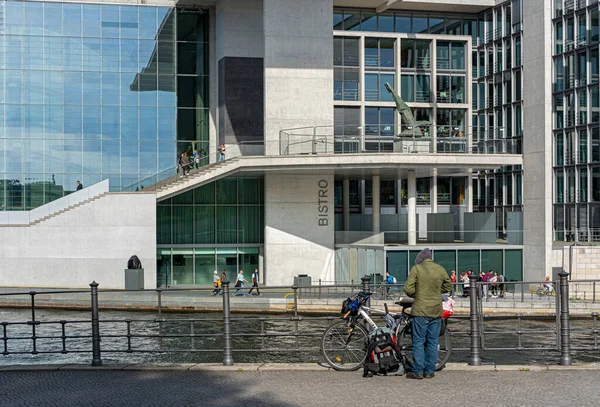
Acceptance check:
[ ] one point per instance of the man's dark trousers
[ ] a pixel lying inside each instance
(425, 338)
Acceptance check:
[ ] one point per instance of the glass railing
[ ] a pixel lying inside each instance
(419, 138)
(453, 236)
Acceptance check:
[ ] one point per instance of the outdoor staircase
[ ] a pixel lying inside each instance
(68, 208)
(197, 177)
(55, 208)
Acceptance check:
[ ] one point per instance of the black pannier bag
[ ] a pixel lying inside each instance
(383, 357)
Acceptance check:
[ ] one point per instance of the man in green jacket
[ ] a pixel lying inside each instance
(426, 283)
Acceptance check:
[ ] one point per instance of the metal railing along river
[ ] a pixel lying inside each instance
(555, 336)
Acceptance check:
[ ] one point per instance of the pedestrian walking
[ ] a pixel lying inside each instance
(223, 278)
(501, 285)
(197, 159)
(185, 164)
(239, 283)
(222, 149)
(254, 283)
(453, 279)
(426, 282)
(79, 186)
(216, 283)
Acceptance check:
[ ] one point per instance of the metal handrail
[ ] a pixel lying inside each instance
(287, 333)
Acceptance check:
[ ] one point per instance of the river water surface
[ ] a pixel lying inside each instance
(177, 344)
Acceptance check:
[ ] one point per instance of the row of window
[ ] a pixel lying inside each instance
(380, 53)
(480, 28)
(106, 21)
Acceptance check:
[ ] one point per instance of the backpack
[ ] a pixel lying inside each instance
(393, 280)
(382, 354)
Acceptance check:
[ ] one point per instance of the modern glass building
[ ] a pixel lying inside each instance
(297, 93)
(92, 92)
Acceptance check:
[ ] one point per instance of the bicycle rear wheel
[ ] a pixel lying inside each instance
(344, 346)
(404, 338)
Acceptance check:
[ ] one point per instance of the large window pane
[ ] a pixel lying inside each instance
(183, 224)
(468, 260)
(204, 224)
(183, 266)
(204, 266)
(226, 224)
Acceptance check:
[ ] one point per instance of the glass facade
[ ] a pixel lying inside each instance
(94, 92)
(213, 227)
(576, 123)
(508, 262)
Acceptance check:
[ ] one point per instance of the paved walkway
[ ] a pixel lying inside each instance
(286, 388)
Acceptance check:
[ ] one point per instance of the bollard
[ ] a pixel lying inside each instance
(227, 354)
(565, 340)
(159, 292)
(365, 287)
(475, 359)
(295, 300)
(96, 360)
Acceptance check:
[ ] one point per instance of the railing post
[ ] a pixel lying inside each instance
(33, 323)
(227, 354)
(96, 359)
(319, 288)
(295, 300)
(365, 287)
(474, 359)
(593, 292)
(565, 340)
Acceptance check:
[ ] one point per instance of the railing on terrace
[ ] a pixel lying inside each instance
(361, 230)
(401, 139)
(295, 337)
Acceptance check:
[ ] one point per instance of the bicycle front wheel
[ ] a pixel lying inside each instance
(344, 346)
(404, 338)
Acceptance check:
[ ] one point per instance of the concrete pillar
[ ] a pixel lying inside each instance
(346, 203)
(537, 151)
(469, 190)
(433, 192)
(412, 208)
(376, 192)
(298, 60)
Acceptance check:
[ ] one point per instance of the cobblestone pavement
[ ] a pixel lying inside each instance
(295, 388)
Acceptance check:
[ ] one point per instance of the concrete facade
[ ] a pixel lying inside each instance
(298, 66)
(299, 227)
(86, 243)
(537, 142)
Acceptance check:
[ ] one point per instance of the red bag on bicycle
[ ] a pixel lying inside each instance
(447, 308)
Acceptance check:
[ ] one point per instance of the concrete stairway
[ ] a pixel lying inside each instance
(68, 208)
(56, 207)
(196, 178)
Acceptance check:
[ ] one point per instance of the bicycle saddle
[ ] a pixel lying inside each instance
(405, 302)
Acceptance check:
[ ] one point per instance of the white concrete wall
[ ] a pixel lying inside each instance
(537, 140)
(296, 239)
(86, 243)
(239, 28)
(298, 66)
(583, 263)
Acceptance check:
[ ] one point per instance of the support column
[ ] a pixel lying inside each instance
(376, 192)
(469, 190)
(346, 203)
(433, 192)
(412, 208)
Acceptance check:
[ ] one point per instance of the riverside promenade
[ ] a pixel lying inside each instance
(296, 385)
(276, 300)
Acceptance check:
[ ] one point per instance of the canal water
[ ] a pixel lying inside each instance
(177, 345)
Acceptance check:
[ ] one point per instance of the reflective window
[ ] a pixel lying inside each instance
(92, 89)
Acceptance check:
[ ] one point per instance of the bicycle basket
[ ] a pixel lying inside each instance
(352, 304)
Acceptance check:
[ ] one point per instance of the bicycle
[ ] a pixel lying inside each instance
(543, 291)
(344, 342)
(386, 292)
